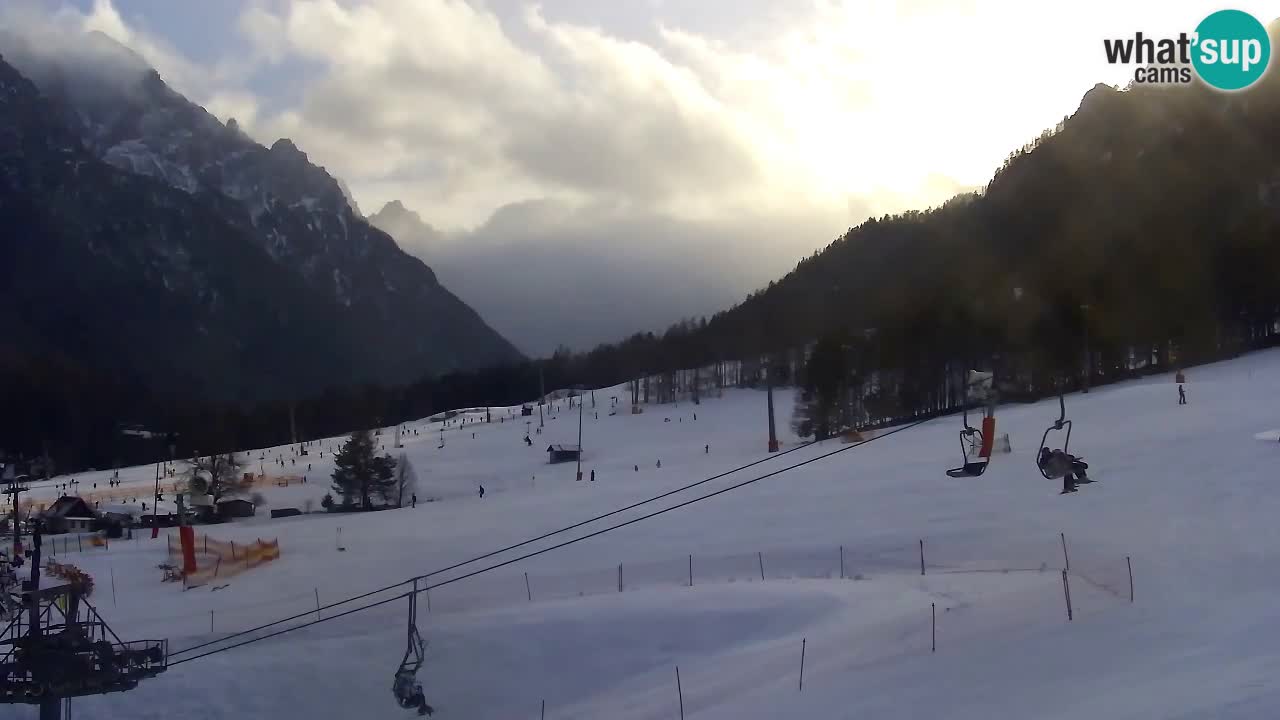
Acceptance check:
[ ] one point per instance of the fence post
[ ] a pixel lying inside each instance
(760, 557)
(217, 566)
(427, 592)
(921, 556)
(317, 604)
(206, 543)
(1066, 561)
(841, 562)
(1129, 562)
(803, 641)
(933, 626)
(1066, 589)
(680, 692)
(543, 716)
(79, 544)
(210, 621)
(527, 590)
(691, 570)
(113, 585)
(619, 577)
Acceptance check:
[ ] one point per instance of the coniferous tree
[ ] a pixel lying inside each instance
(822, 411)
(359, 473)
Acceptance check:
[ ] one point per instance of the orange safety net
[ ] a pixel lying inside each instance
(218, 559)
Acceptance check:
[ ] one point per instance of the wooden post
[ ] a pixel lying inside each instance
(619, 577)
(427, 592)
(1066, 561)
(113, 586)
(1129, 562)
(79, 544)
(841, 562)
(933, 623)
(527, 590)
(544, 710)
(317, 604)
(680, 692)
(1066, 589)
(690, 570)
(922, 556)
(210, 621)
(803, 641)
(760, 557)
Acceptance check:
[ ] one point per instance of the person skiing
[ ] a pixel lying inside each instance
(593, 475)
(482, 492)
(1182, 395)
(413, 500)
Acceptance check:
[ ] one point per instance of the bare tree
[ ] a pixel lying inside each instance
(405, 483)
(219, 475)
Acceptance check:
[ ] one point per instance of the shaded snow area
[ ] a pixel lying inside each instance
(1186, 491)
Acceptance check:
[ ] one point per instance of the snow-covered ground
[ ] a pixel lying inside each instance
(1186, 491)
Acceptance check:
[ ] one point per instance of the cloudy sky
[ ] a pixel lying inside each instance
(747, 133)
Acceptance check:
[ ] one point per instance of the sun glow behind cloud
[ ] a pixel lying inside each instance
(879, 105)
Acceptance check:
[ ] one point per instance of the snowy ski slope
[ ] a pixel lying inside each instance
(1188, 492)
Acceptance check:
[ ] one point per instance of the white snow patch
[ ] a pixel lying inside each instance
(1182, 490)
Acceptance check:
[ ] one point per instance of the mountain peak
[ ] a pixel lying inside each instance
(395, 207)
(285, 146)
(396, 214)
(407, 227)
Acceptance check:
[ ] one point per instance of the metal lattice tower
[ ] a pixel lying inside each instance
(57, 646)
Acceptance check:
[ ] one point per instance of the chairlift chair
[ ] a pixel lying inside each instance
(970, 438)
(1057, 464)
(1062, 423)
(405, 686)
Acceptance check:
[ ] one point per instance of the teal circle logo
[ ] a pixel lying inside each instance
(1232, 50)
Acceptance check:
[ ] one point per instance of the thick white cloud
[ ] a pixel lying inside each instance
(749, 144)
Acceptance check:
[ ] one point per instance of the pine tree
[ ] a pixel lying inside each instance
(821, 412)
(359, 473)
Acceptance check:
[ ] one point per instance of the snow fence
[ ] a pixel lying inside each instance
(218, 559)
